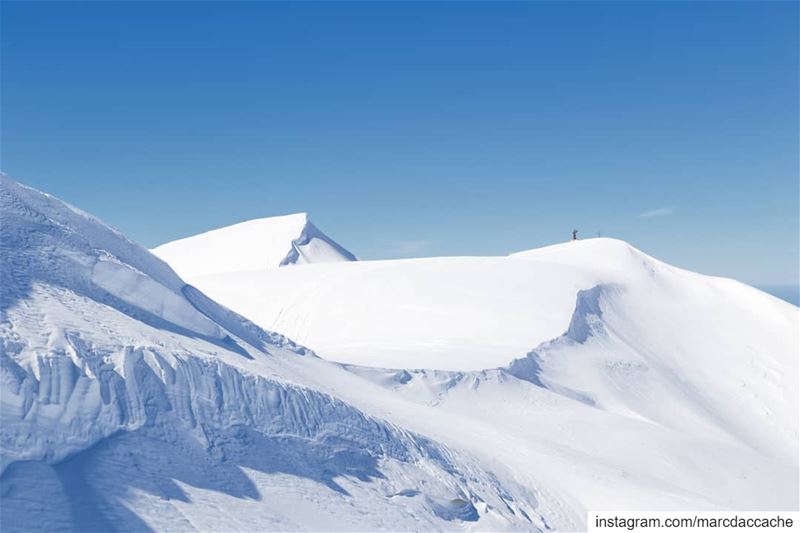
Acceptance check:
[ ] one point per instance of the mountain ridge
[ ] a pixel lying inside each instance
(447, 313)
(257, 244)
(130, 400)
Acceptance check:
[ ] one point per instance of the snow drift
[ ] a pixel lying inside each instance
(261, 244)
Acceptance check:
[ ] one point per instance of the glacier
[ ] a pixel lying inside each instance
(128, 398)
(472, 393)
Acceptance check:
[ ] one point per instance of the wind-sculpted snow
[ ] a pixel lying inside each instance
(261, 244)
(33, 220)
(149, 415)
(662, 405)
(587, 314)
(58, 408)
(129, 401)
(46, 241)
(313, 246)
(742, 384)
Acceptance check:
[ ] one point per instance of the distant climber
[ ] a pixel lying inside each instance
(574, 235)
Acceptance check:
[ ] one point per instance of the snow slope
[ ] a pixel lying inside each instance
(472, 313)
(644, 385)
(264, 243)
(632, 407)
(457, 313)
(130, 401)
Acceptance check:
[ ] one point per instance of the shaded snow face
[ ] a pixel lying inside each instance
(261, 244)
(45, 241)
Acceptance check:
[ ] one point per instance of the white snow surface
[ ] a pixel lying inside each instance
(474, 313)
(261, 244)
(131, 401)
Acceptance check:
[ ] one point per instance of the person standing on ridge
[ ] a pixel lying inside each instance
(574, 235)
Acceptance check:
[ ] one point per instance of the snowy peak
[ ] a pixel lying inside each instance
(602, 253)
(313, 246)
(260, 244)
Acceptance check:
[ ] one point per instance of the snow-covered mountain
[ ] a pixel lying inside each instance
(261, 244)
(666, 356)
(132, 402)
(507, 393)
(473, 313)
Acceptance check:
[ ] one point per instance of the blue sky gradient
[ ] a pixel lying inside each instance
(420, 128)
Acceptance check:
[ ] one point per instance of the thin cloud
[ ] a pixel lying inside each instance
(412, 247)
(399, 249)
(660, 212)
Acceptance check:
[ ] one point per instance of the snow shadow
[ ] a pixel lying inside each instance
(91, 491)
(321, 459)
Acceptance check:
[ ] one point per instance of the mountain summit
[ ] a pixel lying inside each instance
(259, 244)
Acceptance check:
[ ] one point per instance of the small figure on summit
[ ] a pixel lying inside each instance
(574, 235)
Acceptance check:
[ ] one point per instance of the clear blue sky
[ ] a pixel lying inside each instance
(420, 128)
